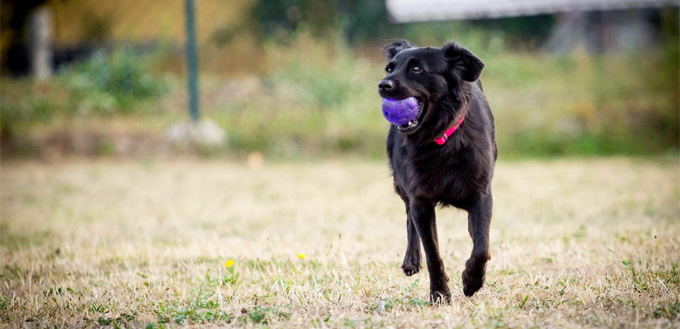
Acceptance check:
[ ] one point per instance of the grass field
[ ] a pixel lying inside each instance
(574, 243)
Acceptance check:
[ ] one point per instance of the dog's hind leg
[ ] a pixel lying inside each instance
(423, 216)
(479, 218)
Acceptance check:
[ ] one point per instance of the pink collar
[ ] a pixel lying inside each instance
(442, 140)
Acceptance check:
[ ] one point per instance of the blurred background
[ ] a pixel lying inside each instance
(297, 79)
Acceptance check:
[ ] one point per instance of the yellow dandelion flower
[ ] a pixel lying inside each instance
(301, 256)
(229, 263)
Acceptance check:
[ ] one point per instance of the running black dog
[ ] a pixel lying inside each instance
(445, 156)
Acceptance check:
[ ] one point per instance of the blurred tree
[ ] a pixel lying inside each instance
(359, 20)
(366, 20)
(362, 21)
(524, 31)
(14, 16)
(276, 15)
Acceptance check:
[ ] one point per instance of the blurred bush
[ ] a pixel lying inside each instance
(105, 84)
(549, 105)
(319, 97)
(111, 83)
(315, 99)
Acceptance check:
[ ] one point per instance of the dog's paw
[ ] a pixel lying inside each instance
(410, 268)
(411, 264)
(474, 275)
(440, 295)
(472, 282)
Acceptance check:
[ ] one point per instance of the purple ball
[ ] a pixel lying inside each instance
(400, 111)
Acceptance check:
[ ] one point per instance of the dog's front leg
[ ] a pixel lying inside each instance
(411, 264)
(479, 218)
(423, 216)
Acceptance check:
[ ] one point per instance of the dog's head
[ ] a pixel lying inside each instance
(436, 77)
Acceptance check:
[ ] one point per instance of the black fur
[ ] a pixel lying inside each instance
(457, 173)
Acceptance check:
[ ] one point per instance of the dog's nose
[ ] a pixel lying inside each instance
(385, 85)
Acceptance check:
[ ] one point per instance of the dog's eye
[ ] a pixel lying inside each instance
(416, 69)
(388, 69)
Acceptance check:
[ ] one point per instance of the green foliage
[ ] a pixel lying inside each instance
(359, 20)
(671, 311)
(120, 321)
(105, 84)
(230, 277)
(548, 105)
(367, 21)
(405, 301)
(3, 303)
(317, 97)
(264, 315)
(315, 100)
(201, 307)
(318, 74)
(111, 83)
(199, 310)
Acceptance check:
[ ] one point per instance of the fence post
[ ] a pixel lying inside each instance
(192, 60)
(40, 37)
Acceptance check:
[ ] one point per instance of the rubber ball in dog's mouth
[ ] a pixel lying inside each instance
(401, 112)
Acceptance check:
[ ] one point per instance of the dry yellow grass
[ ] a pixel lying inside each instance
(575, 243)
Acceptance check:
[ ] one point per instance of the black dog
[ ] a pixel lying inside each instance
(445, 156)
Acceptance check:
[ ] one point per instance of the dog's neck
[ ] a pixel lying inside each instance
(441, 140)
(464, 99)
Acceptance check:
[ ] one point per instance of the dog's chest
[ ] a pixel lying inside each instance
(438, 178)
(439, 183)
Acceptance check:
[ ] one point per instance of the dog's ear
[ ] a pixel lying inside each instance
(394, 48)
(463, 61)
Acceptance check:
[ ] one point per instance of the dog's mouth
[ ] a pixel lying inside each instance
(413, 124)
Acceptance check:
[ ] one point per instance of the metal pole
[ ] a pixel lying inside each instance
(192, 60)
(41, 32)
